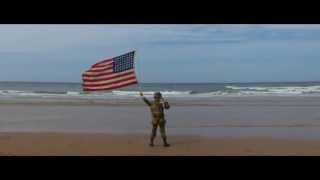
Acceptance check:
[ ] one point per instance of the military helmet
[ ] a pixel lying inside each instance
(157, 95)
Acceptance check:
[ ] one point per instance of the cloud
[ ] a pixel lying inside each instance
(50, 38)
(208, 51)
(219, 34)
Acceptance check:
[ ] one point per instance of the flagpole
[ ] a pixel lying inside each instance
(139, 70)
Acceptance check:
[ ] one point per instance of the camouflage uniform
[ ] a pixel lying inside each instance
(158, 120)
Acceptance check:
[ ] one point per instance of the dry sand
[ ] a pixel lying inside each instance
(80, 144)
(226, 126)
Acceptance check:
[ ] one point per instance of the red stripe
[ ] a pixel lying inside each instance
(96, 75)
(113, 87)
(106, 76)
(113, 82)
(101, 62)
(100, 70)
(110, 85)
(101, 67)
(111, 77)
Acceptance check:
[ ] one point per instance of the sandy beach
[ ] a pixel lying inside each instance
(232, 89)
(75, 144)
(221, 126)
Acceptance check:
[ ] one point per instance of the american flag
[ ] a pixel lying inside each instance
(110, 74)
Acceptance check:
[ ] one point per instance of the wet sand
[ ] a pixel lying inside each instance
(271, 117)
(81, 144)
(220, 126)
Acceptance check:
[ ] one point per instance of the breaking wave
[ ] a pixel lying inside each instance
(150, 93)
(281, 90)
(223, 91)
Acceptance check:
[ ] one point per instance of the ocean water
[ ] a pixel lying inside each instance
(174, 90)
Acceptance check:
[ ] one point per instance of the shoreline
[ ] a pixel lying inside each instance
(272, 117)
(100, 144)
(181, 101)
(220, 126)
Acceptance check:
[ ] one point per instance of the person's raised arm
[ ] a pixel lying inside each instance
(145, 99)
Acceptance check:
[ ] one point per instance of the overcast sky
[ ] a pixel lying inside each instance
(166, 53)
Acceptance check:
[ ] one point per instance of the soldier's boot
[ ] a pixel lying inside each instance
(165, 143)
(153, 135)
(151, 142)
(163, 135)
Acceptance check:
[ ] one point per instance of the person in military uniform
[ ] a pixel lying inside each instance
(158, 120)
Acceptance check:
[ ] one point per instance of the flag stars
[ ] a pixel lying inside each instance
(124, 62)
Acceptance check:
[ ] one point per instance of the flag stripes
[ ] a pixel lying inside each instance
(110, 74)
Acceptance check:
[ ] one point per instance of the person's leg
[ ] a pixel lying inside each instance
(163, 134)
(153, 134)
